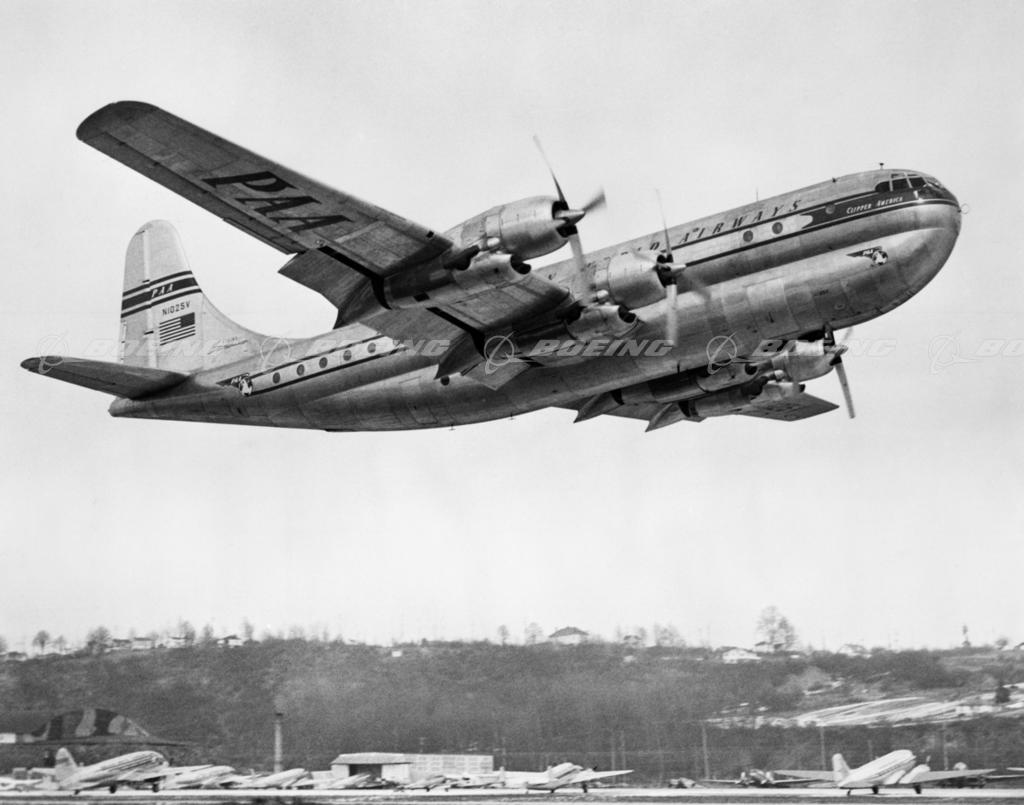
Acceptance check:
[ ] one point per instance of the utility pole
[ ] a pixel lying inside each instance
(704, 750)
(945, 754)
(821, 736)
(278, 741)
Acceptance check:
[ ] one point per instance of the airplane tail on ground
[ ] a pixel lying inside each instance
(839, 767)
(65, 765)
(169, 329)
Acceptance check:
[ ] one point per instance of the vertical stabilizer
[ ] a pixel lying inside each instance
(839, 767)
(166, 320)
(65, 764)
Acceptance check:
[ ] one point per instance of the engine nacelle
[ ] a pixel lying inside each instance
(631, 280)
(687, 385)
(591, 323)
(525, 228)
(803, 360)
(601, 321)
(734, 400)
(437, 284)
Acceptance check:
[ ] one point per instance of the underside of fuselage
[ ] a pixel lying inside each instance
(788, 268)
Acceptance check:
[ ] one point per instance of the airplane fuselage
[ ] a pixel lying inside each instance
(830, 255)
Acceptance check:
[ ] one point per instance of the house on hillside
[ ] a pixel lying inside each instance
(568, 636)
(853, 650)
(734, 656)
(229, 641)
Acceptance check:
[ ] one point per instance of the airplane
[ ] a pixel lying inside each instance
(199, 777)
(557, 777)
(898, 768)
(759, 778)
(428, 782)
(281, 779)
(727, 315)
(8, 783)
(133, 767)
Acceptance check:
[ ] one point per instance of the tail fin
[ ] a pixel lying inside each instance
(65, 764)
(166, 321)
(839, 767)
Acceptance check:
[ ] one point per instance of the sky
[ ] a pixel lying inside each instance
(894, 529)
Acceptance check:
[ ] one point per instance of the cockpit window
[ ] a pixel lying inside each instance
(916, 182)
(883, 187)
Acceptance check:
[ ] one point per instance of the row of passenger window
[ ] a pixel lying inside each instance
(300, 369)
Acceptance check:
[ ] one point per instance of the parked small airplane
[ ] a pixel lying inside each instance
(8, 783)
(198, 777)
(898, 768)
(759, 778)
(281, 779)
(428, 782)
(558, 777)
(134, 767)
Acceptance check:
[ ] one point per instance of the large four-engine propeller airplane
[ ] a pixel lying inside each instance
(898, 768)
(729, 314)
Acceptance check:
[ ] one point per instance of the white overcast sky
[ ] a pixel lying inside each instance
(895, 528)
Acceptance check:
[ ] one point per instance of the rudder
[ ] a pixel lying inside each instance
(64, 765)
(166, 320)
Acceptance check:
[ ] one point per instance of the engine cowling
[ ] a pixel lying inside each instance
(803, 360)
(631, 280)
(526, 228)
(437, 283)
(734, 400)
(590, 324)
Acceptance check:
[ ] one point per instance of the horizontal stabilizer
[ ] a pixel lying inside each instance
(113, 378)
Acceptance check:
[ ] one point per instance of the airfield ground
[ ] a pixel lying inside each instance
(697, 796)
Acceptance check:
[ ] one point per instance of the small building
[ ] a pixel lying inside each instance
(568, 636)
(143, 644)
(734, 656)
(402, 768)
(853, 650)
(384, 765)
(229, 641)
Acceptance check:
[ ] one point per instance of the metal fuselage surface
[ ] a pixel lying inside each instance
(830, 255)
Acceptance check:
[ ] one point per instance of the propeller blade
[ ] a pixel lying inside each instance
(671, 313)
(558, 187)
(845, 383)
(596, 203)
(581, 269)
(664, 228)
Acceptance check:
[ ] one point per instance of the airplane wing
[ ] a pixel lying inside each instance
(790, 409)
(589, 775)
(937, 776)
(344, 246)
(119, 379)
(659, 415)
(806, 775)
(279, 206)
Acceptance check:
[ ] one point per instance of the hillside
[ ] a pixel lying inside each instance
(599, 704)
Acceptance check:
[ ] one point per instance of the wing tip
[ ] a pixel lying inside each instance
(42, 364)
(102, 119)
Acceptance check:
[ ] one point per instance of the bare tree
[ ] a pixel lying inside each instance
(98, 640)
(775, 629)
(41, 640)
(533, 634)
(503, 634)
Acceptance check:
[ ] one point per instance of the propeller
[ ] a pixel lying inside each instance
(837, 362)
(570, 216)
(670, 273)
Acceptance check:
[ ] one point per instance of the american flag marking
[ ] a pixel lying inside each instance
(177, 328)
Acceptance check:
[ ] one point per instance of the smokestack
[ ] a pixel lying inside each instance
(278, 742)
